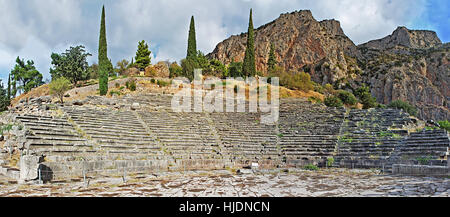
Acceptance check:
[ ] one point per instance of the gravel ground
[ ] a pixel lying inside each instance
(324, 183)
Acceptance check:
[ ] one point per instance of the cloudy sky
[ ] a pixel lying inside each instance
(33, 29)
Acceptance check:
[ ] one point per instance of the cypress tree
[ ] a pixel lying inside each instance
(249, 67)
(192, 41)
(272, 62)
(9, 86)
(103, 61)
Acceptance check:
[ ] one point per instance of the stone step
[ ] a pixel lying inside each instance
(71, 140)
(109, 132)
(45, 123)
(45, 143)
(10, 172)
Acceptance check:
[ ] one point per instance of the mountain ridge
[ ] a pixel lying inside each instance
(391, 65)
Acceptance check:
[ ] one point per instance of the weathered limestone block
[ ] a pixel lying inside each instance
(135, 106)
(132, 71)
(29, 166)
(160, 70)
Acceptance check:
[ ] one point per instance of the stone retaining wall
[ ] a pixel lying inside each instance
(420, 170)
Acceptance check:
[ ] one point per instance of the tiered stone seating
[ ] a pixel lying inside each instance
(370, 137)
(158, 138)
(183, 135)
(432, 144)
(308, 133)
(115, 132)
(151, 100)
(245, 138)
(53, 135)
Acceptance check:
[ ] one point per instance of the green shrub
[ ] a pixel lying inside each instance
(346, 97)
(117, 85)
(405, 106)
(153, 80)
(112, 92)
(131, 85)
(162, 83)
(59, 87)
(235, 70)
(313, 99)
(333, 101)
(318, 88)
(330, 162)
(424, 160)
(366, 98)
(329, 89)
(311, 167)
(298, 81)
(5, 128)
(175, 70)
(445, 125)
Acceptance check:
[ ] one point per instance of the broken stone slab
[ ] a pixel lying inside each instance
(29, 166)
(78, 102)
(135, 106)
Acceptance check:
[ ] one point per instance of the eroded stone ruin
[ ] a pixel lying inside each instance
(141, 134)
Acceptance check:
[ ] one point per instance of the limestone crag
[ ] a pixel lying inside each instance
(409, 65)
(420, 76)
(402, 36)
(300, 41)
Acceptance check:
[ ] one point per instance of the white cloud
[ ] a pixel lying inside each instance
(32, 29)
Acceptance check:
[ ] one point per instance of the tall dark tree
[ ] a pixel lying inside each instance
(235, 69)
(104, 64)
(4, 99)
(72, 65)
(192, 41)
(249, 66)
(26, 76)
(9, 86)
(272, 62)
(142, 56)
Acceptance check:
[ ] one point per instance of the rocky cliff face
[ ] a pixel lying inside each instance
(421, 77)
(417, 39)
(410, 65)
(300, 42)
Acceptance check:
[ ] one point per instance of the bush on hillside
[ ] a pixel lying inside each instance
(405, 106)
(445, 125)
(59, 86)
(366, 98)
(346, 97)
(131, 84)
(297, 81)
(333, 101)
